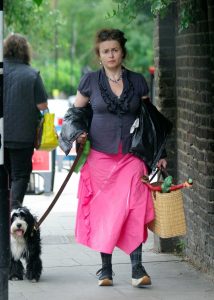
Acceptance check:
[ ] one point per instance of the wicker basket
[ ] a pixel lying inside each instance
(169, 214)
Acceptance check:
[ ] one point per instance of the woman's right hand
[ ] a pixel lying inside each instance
(82, 138)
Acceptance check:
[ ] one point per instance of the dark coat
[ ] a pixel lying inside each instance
(76, 121)
(150, 136)
(23, 90)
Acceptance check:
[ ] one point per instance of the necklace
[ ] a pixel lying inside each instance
(115, 80)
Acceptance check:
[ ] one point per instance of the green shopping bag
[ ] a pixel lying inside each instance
(83, 157)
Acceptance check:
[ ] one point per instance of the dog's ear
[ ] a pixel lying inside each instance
(13, 215)
(30, 221)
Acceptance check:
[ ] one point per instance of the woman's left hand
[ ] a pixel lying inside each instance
(162, 163)
(82, 138)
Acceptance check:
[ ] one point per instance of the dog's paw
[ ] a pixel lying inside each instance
(15, 278)
(32, 277)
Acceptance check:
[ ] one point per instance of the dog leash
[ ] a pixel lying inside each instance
(79, 153)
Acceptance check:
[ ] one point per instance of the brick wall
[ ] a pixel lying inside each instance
(165, 81)
(189, 81)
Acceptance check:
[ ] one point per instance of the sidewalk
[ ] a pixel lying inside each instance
(69, 269)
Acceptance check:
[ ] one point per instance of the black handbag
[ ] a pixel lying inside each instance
(39, 128)
(149, 134)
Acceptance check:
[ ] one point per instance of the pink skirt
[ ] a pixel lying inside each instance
(114, 206)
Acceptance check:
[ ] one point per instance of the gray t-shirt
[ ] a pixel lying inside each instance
(112, 116)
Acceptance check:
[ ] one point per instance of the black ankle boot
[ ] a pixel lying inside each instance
(140, 276)
(105, 275)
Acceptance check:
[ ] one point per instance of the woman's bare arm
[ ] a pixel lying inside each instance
(80, 100)
(42, 106)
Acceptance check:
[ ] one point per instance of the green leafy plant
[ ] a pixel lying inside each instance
(132, 8)
(55, 32)
(188, 15)
(180, 247)
(38, 2)
(64, 76)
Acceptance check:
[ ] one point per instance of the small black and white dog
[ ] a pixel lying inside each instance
(25, 244)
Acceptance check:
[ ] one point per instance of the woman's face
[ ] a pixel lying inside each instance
(110, 54)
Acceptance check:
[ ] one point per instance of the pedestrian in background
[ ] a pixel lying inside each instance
(114, 206)
(24, 97)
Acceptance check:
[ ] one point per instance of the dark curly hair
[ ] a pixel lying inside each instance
(17, 46)
(108, 34)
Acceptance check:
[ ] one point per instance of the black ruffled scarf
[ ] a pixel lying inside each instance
(116, 105)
